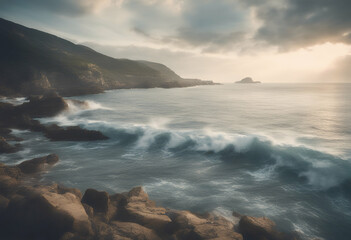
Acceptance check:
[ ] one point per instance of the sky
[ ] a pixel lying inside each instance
(219, 40)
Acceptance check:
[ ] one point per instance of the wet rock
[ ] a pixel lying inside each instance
(262, 228)
(43, 106)
(33, 217)
(5, 147)
(106, 231)
(72, 133)
(10, 171)
(71, 205)
(257, 228)
(139, 209)
(89, 210)
(134, 231)
(99, 201)
(38, 164)
(7, 185)
(62, 189)
(190, 226)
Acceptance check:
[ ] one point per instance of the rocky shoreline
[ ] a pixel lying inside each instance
(30, 209)
(33, 210)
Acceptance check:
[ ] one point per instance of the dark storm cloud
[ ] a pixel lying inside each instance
(301, 23)
(64, 7)
(215, 25)
(211, 25)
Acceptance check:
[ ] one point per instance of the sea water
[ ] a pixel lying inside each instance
(276, 150)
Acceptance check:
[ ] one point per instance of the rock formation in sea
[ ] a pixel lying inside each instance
(21, 117)
(247, 80)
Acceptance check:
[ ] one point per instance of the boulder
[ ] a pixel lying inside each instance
(105, 231)
(89, 210)
(43, 106)
(5, 147)
(71, 205)
(62, 189)
(139, 209)
(134, 231)
(38, 164)
(190, 226)
(13, 172)
(72, 133)
(7, 184)
(99, 201)
(34, 217)
(262, 228)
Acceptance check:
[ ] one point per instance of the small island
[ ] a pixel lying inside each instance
(247, 80)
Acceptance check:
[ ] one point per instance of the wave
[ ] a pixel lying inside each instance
(14, 101)
(258, 156)
(77, 105)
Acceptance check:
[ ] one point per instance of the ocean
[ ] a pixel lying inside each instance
(276, 150)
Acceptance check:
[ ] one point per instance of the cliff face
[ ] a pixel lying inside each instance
(32, 62)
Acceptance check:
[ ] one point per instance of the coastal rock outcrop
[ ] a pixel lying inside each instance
(247, 80)
(38, 164)
(5, 147)
(190, 226)
(21, 117)
(72, 133)
(140, 209)
(47, 105)
(29, 210)
(262, 228)
(99, 201)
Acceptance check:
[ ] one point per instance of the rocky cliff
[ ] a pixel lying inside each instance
(33, 62)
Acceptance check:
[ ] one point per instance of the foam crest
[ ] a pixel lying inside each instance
(75, 106)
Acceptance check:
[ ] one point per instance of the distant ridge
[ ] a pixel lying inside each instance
(33, 62)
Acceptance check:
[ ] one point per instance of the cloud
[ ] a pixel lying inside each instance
(64, 7)
(212, 26)
(209, 26)
(294, 24)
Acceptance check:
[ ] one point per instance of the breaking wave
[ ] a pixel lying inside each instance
(257, 155)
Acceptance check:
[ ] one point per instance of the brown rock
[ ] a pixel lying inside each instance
(13, 172)
(105, 231)
(5, 147)
(99, 201)
(62, 189)
(35, 218)
(38, 164)
(190, 226)
(262, 228)
(89, 210)
(139, 209)
(134, 231)
(7, 184)
(70, 204)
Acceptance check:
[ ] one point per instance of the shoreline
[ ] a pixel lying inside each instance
(65, 213)
(179, 224)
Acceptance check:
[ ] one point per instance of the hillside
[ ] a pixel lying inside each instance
(32, 62)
